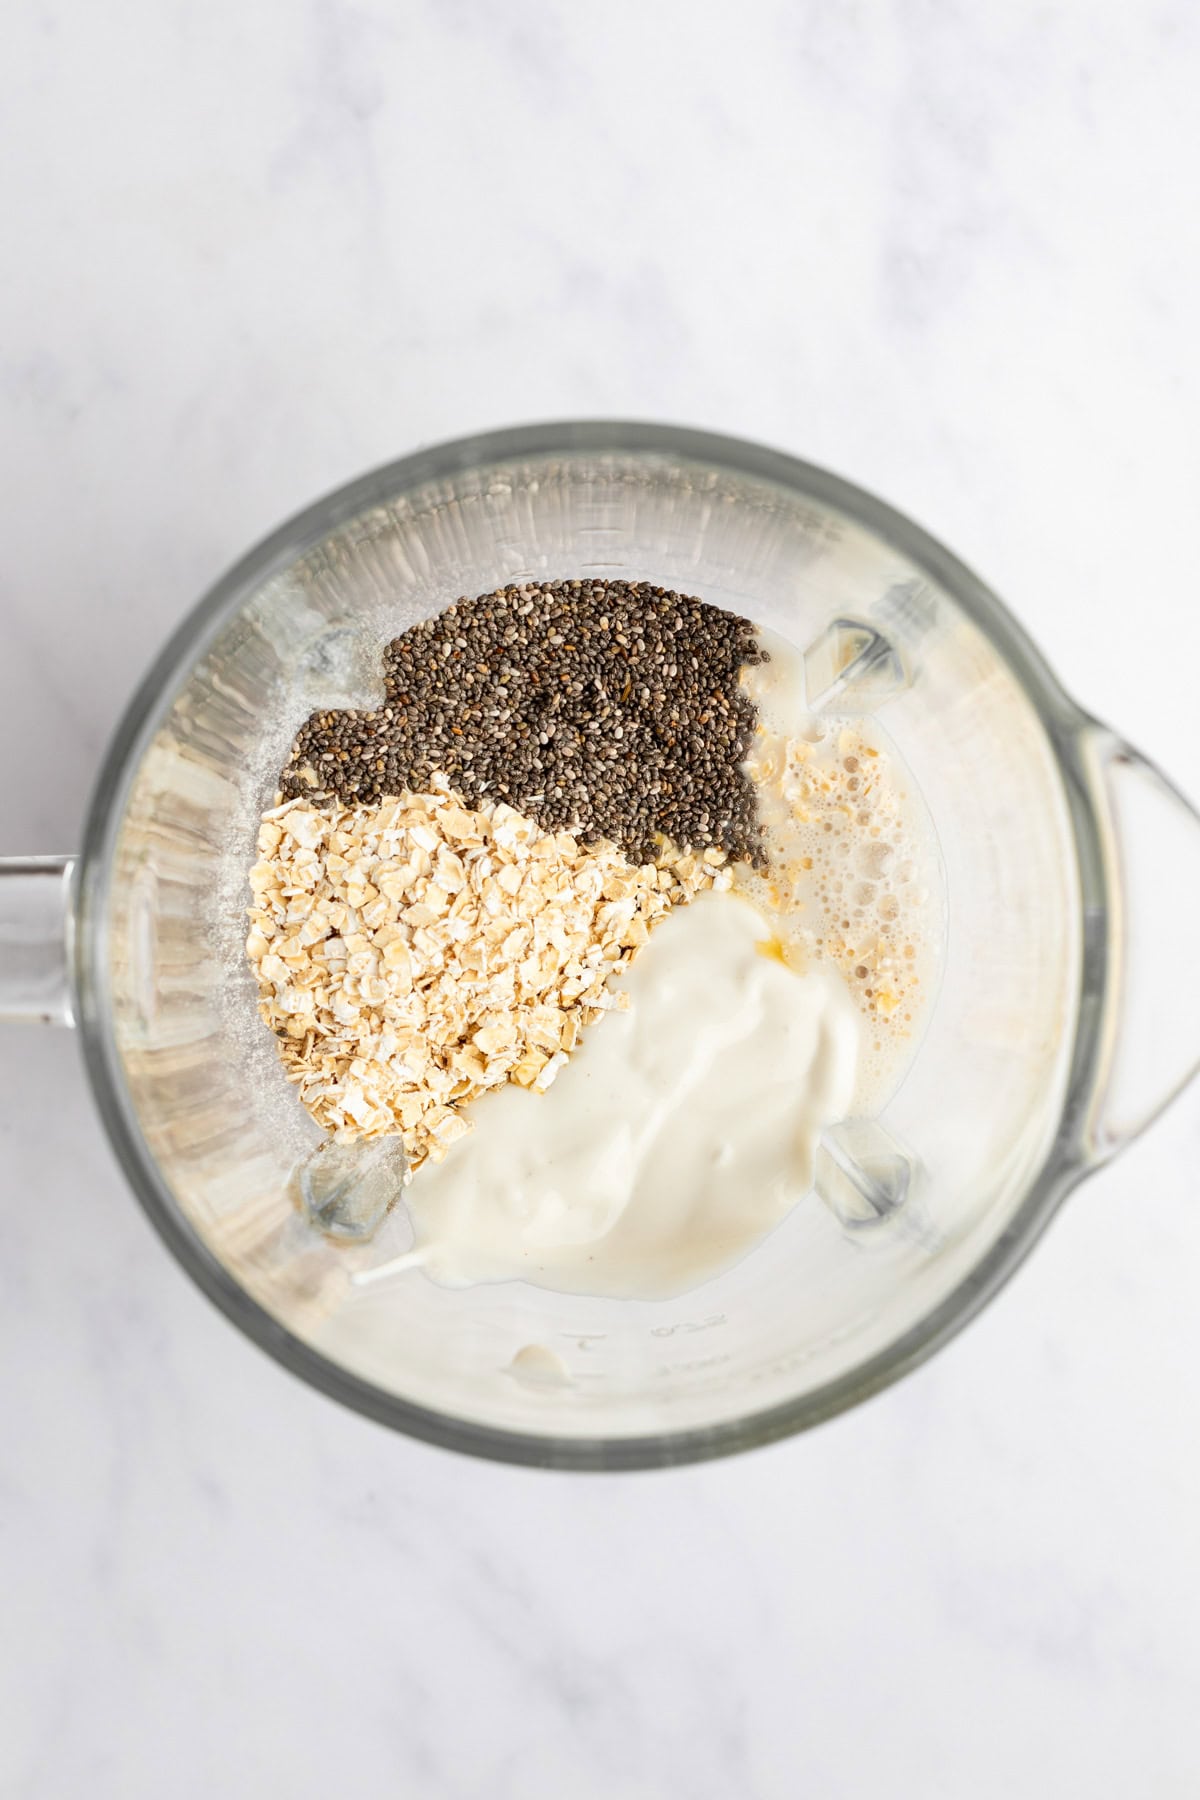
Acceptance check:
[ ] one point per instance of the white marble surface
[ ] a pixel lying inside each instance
(950, 250)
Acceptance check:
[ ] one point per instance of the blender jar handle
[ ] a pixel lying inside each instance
(36, 939)
(1152, 1010)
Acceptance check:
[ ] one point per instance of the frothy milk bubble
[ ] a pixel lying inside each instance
(855, 874)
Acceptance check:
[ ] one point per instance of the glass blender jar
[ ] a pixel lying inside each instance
(1054, 1039)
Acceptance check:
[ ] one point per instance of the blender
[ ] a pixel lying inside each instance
(1056, 1035)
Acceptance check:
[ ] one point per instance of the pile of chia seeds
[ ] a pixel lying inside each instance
(606, 708)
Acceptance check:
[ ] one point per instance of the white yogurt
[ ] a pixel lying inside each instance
(676, 1137)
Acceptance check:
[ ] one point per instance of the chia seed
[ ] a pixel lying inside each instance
(606, 708)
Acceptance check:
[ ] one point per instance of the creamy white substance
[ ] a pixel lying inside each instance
(678, 1134)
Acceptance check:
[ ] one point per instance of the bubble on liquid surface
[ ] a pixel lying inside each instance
(872, 859)
(537, 1366)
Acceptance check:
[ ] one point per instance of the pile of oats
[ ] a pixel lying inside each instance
(413, 953)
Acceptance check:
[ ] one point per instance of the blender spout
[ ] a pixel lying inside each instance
(1151, 1016)
(36, 931)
